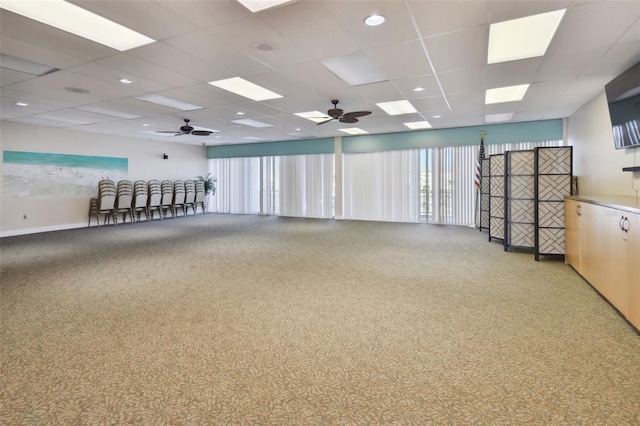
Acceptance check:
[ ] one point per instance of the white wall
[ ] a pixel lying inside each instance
(145, 162)
(596, 162)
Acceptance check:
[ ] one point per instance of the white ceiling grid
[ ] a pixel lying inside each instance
(203, 41)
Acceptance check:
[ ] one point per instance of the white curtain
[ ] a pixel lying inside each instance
(304, 185)
(238, 186)
(382, 186)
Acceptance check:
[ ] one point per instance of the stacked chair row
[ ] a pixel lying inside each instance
(142, 197)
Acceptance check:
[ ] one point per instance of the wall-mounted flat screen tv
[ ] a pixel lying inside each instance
(623, 96)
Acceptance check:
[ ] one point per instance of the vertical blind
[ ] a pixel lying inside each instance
(237, 189)
(381, 186)
(430, 185)
(295, 185)
(306, 185)
(448, 194)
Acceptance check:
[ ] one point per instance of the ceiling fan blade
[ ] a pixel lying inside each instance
(356, 114)
(201, 132)
(326, 121)
(349, 120)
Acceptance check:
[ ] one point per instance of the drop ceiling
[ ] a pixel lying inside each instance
(440, 46)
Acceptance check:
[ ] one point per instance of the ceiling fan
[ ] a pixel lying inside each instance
(187, 130)
(337, 114)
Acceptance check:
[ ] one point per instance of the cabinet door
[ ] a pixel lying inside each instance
(614, 263)
(571, 234)
(632, 259)
(590, 242)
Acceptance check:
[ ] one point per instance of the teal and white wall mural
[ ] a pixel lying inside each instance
(43, 175)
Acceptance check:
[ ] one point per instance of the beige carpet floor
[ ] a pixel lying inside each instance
(223, 319)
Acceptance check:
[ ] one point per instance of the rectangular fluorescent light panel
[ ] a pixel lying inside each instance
(253, 138)
(245, 88)
(76, 20)
(168, 102)
(151, 132)
(522, 38)
(252, 123)
(106, 111)
(415, 125)
(505, 94)
(397, 107)
(498, 118)
(354, 131)
(18, 64)
(356, 69)
(315, 116)
(258, 5)
(63, 119)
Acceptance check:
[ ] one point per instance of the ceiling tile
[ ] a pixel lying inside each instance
(512, 73)
(35, 33)
(146, 17)
(582, 26)
(434, 17)
(391, 59)
(312, 28)
(136, 66)
(506, 10)
(460, 49)
(32, 52)
(463, 80)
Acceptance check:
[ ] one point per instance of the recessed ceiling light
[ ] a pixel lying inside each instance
(418, 89)
(356, 69)
(258, 5)
(397, 107)
(168, 102)
(297, 130)
(145, 125)
(252, 123)
(22, 104)
(354, 131)
(374, 20)
(414, 125)
(315, 116)
(253, 138)
(245, 88)
(18, 64)
(522, 38)
(505, 94)
(437, 116)
(125, 81)
(239, 113)
(76, 20)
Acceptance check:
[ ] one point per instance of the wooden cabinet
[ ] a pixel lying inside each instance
(603, 245)
(572, 233)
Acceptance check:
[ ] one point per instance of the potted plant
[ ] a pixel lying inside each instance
(209, 186)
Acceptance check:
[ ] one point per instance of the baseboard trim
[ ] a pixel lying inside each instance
(25, 231)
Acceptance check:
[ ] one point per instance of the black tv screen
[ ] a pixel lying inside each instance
(623, 96)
